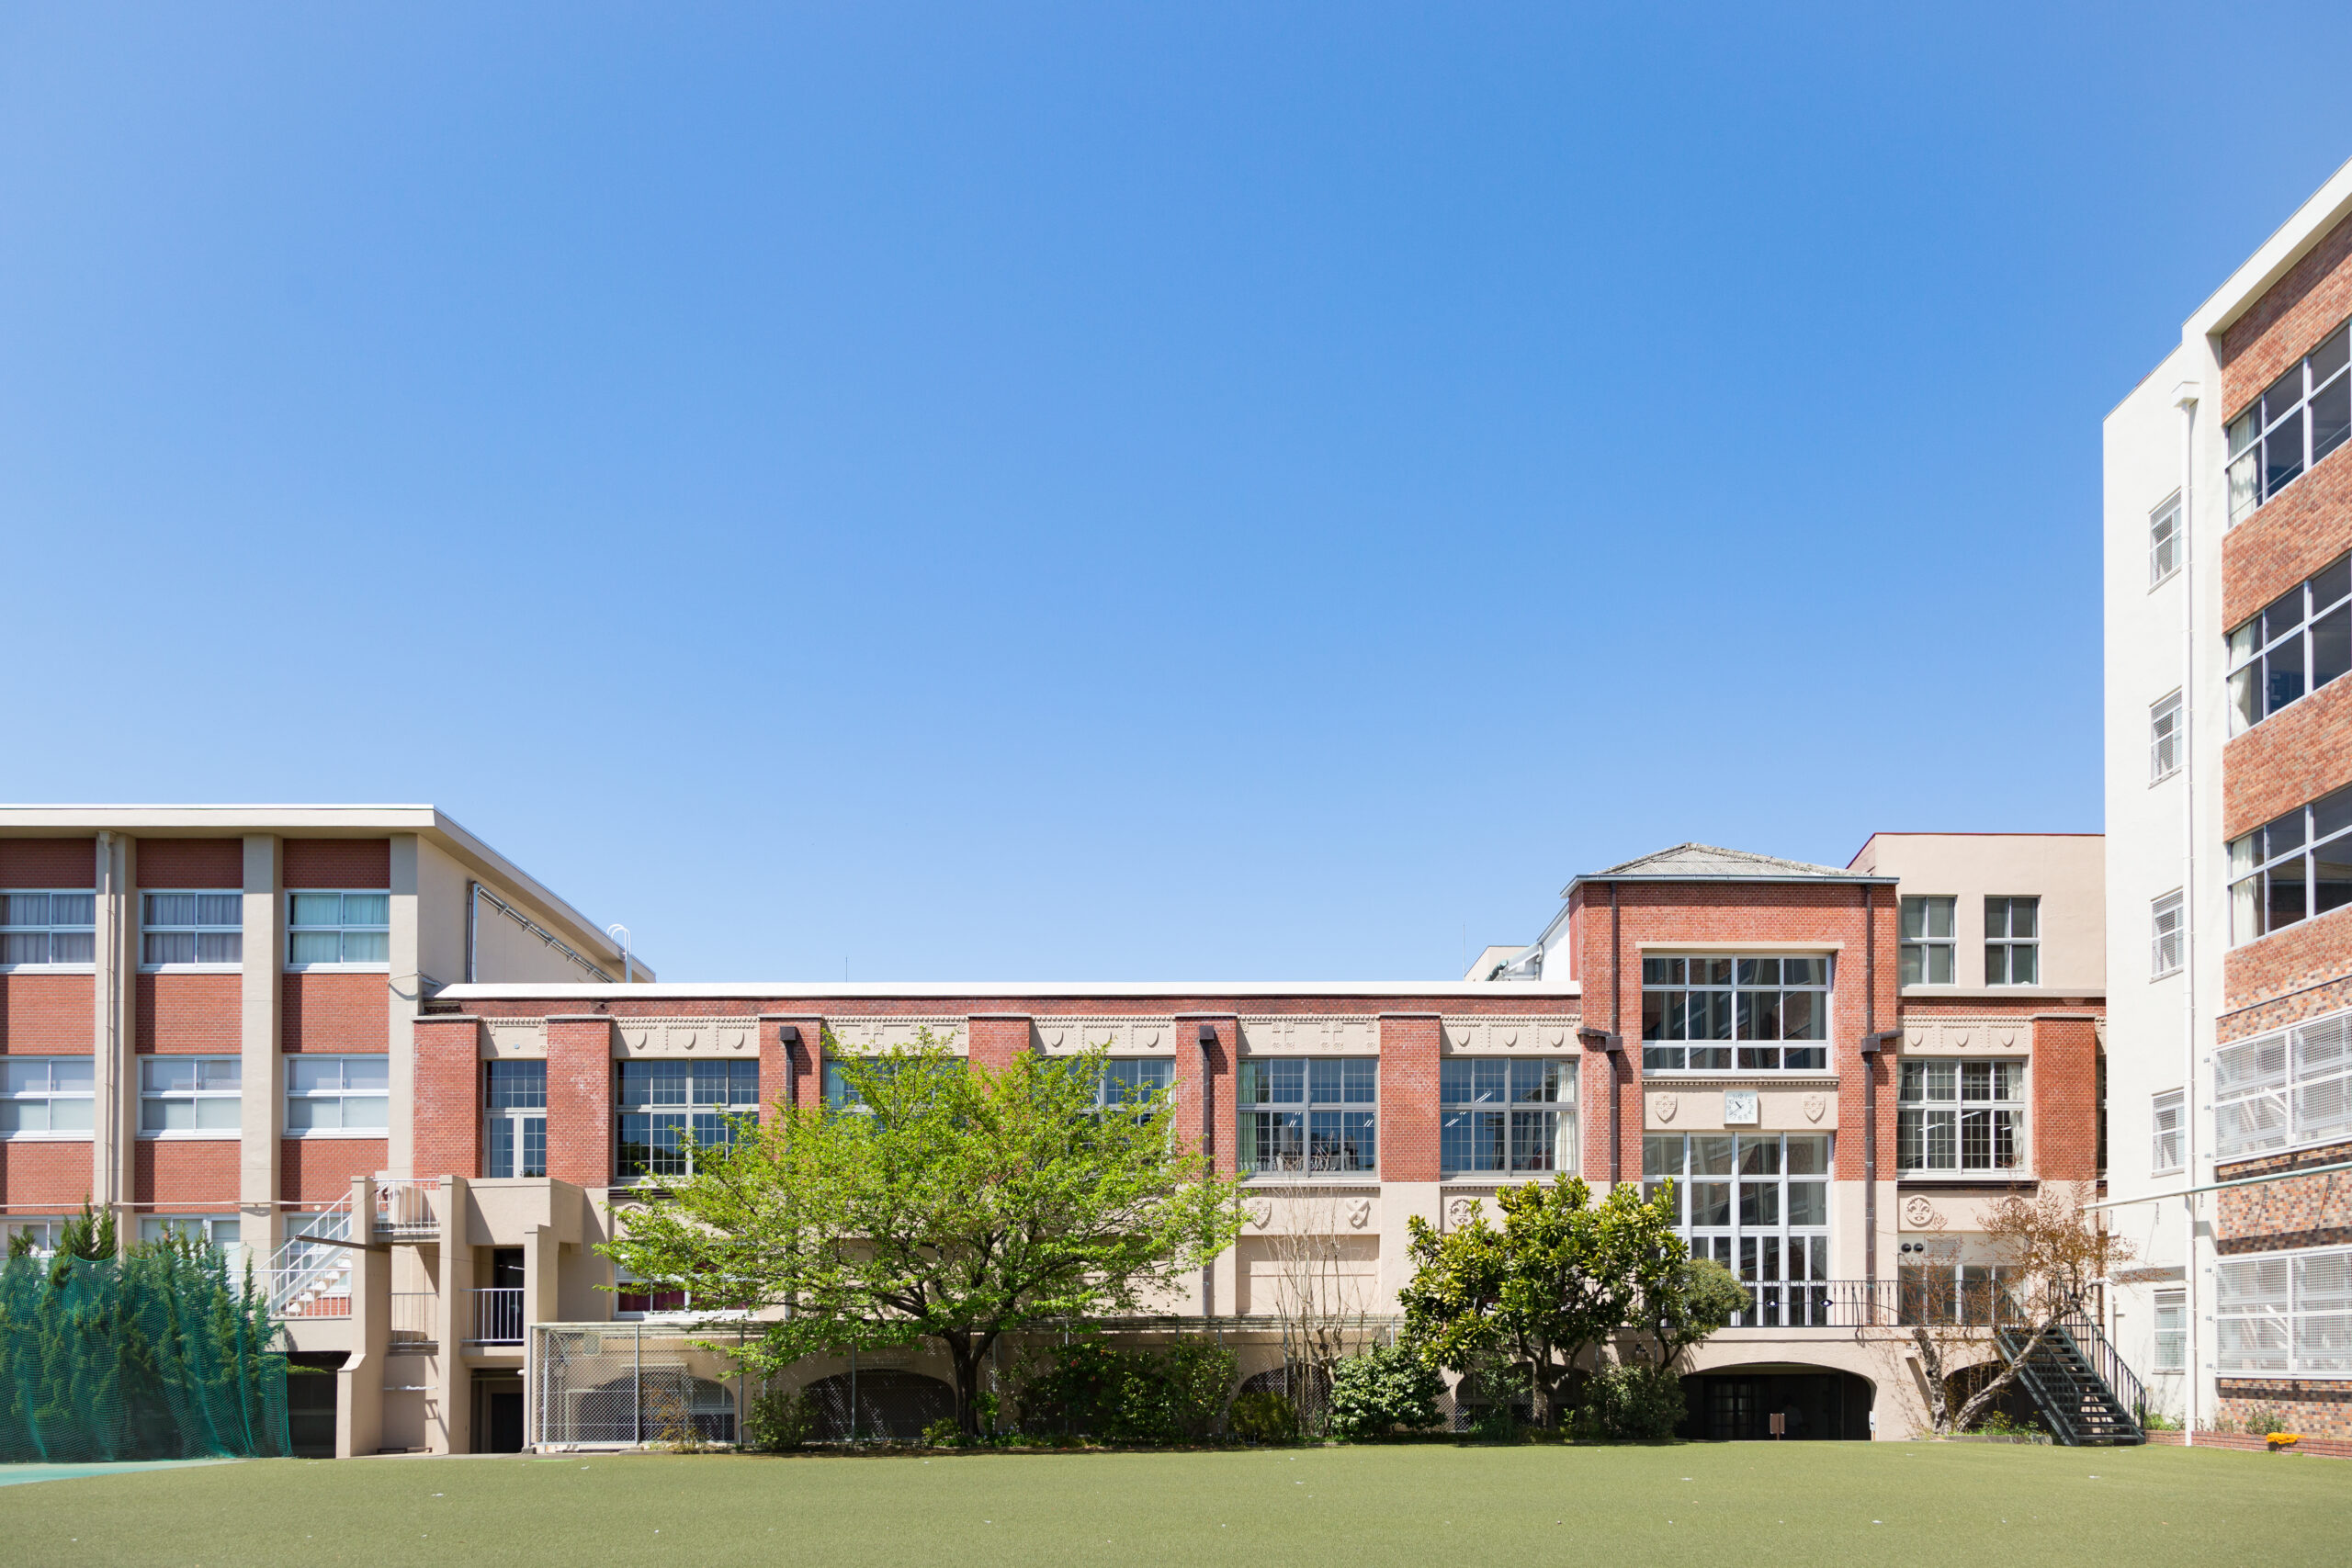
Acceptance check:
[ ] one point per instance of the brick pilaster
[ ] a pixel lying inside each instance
(580, 1099)
(788, 1074)
(2065, 1132)
(1410, 1046)
(449, 1095)
(999, 1039)
(1209, 1103)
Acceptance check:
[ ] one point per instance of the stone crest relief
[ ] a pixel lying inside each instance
(1920, 1214)
(1259, 1211)
(1666, 1105)
(1815, 1106)
(1359, 1213)
(1460, 1212)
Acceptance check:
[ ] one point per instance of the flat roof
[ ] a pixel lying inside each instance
(1043, 990)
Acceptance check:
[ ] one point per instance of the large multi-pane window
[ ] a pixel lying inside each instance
(2163, 541)
(1942, 1292)
(192, 927)
(2298, 644)
(2172, 1331)
(1960, 1116)
(45, 1094)
(2012, 941)
(1929, 949)
(1756, 1204)
(2168, 1142)
(1308, 1115)
(516, 1093)
(201, 1096)
(2286, 1313)
(338, 928)
(1134, 1081)
(47, 928)
(331, 1095)
(2291, 868)
(1507, 1115)
(2288, 1088)
(669, 1108)
(2165, 736)
(1697, 1012)
(2300, 419)
(223, 1231)
(2167, 925)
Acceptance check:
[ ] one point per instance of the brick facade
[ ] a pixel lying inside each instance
(2282, 1216)
(48, 1172)
(1409, 1048)
(49, 862)
(2289, 759)
(2297, 972)
(1213, 1096)
(321, 1170)
(2287, 538)
(191, 863)
(788, 1072)
(331, 1012)
(2063, 1135)
(170, 1175)
(358, 864)
(997, 1041)
(189, 1014)
(448, 1114)
(2303, 307)
(47, 1015)
(580, 1099)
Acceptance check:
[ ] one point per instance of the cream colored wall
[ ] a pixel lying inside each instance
(2065, 871)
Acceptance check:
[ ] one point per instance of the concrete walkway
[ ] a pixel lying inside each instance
(16, 1474)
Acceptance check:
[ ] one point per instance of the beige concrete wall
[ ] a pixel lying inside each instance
(2065, 871)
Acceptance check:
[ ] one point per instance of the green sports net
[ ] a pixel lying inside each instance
(153, 1354)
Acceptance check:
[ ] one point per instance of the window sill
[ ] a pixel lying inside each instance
(47, 968)
(338, 969)
(191, 968)
(203, 1136)
(1312, 1178)
(83, 1136)
(332, 1133)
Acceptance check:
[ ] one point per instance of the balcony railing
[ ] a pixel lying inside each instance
(1936, 1300)
(412, 1317)
(498, 1316)
(406, 1210)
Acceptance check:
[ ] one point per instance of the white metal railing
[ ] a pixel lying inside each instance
(498, 1315)
(406, 1209)
(412, 1317)
(306, 1280)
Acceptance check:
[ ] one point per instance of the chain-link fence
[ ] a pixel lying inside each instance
(614, 1384)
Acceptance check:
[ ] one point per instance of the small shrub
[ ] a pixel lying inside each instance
(2157, 1421)
(942, 1433)
(1263, 1418)
(1383, 1389)
(1199, 1376)
(779, 1419)
(1631, 1404)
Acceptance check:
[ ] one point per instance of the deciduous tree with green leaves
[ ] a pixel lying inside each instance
(939, 1201)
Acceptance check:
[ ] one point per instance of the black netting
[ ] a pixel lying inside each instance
(154, 1355)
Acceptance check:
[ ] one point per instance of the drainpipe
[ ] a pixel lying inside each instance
(1869, 1089)
(1616, 1046)
(109, 1133)
(2185, 397)
(1203, 1038)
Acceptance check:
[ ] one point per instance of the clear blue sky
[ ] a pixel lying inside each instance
(1235, 491)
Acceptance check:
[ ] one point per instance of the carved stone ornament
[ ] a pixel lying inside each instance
(1666, 1105)
(1815, 1105)
(1260, 1212)
(1920, 1214)
(1359, 1213)
(1461, 1211)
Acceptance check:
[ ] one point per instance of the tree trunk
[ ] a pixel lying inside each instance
(967, 1352)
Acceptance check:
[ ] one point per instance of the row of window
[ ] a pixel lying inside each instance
(198, 1096)
(40, 926)
(2287, 1313)
(2300, 419)
(1930, 946)
(2293, 868)
(1757, 1006)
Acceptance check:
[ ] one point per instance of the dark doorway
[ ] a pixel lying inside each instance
(1739, 1406)
(498, 1413)
(311, 1383)
(505, 1267)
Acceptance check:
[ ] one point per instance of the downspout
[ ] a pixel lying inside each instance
(473, 928)
(1616, 1051)
(1869, 1089)
(109, 1131)
(2185, 398)
(1203, 1038)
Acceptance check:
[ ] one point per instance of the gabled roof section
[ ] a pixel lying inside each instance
(1710, 863)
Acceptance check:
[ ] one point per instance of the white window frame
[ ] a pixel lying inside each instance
(45, 1235)
(1737, 1202)
(2166, 733)
(2282, 412)
(48, 1095)
(2164, 542)
(1923, 1109)
(2286, 1090)
(15, 931)
(2322, 833)
(340, 1093)
(1510, 1115)
(198, 928)
(2008, 945)
(510, 1112)
(1338, 1134)
(1921, 947)
(1729, 979)
(2169, 1131)
(205, 1227)
(2283, 640)
(706, 1112)
(2264, 1308)
(363, 936)
(207, 1092)
(2170, 1351)
(2167, 935)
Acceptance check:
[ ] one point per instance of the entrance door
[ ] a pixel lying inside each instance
(498, 1413)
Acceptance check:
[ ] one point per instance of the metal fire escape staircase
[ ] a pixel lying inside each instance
(2084, 1392)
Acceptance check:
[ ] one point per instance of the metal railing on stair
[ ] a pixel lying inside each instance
(2077, 1381)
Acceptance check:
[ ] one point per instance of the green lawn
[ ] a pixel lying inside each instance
(1898, 1503)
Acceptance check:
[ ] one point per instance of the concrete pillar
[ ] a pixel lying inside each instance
(449, 1428)
(359, 1392)
(405, 1000)
(260, 1036)
(542, 1264)
(115, 1027)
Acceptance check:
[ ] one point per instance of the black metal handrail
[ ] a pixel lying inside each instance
(2105, 1359)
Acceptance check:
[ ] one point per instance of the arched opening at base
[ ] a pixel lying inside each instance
(892, 1406)
(2013, 1402)
(1792, 1402)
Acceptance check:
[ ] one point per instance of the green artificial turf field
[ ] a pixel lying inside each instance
(1906, 1504)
